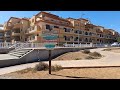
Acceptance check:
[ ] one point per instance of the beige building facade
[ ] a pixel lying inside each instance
(69, 30)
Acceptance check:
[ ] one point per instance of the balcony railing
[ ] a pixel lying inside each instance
(15, 33)
(32, 39)
(7, 35)
(32, 30)
(1, 36)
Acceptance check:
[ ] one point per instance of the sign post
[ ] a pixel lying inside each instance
(49, 61)
(50, 37)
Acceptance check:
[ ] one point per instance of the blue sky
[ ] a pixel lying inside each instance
(107, 19)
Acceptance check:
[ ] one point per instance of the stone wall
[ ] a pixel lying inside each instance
(37, 54)
(43, 54)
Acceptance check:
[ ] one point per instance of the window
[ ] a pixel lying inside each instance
(48, 27)
(86, 40)
(56, 27)
(67, 38)
(90, 40)
(67, 30)
(71, 29)
(86, 33)
(90, 34)
(52, 20)
(71, 37)
(76, 31)
(80, 32)
(76, 39)
(80, 39)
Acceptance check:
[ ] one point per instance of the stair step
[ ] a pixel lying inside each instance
(19, 51)
(17, 55)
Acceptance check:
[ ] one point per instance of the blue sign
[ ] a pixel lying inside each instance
(50, 37)
(50, 46)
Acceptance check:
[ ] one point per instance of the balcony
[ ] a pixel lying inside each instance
(1, 36)
(8, 27)
(32, 30)
(32, 39)
(15, 34)
(17, 25)
(1, 40)
(7, 40)
(7, 35)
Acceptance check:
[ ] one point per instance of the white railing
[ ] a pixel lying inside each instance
(19, 45)
(28, 45)
(5, 45)
(87, 45)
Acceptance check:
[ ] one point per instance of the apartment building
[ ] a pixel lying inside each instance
(1, 33)
(89, 33)
(44, 22)
(69, 30)
(14, 29)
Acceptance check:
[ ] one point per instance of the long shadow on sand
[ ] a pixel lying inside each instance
(75, 77)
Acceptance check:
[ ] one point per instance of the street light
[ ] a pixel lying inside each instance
(79, 31)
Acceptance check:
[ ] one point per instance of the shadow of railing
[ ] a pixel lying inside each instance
(74, 77)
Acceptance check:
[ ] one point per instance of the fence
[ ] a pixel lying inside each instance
(87, 45)
(37, 45)
(5, 45)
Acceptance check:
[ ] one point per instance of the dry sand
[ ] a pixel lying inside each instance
(114, 49)
(82, 73)
(74, 56)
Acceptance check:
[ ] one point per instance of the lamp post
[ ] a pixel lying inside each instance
(79, 31)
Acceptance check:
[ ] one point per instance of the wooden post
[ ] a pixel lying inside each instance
(49, 61)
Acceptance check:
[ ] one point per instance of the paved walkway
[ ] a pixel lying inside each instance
(7, 57)
(110, 59)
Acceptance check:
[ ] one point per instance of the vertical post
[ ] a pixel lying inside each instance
(49, 61)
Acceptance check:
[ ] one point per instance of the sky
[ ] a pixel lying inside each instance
(107, 19)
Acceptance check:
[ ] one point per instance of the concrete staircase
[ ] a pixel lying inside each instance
(20, 52)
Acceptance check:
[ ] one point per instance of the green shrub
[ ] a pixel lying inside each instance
(24, 70)
(56, 68)
(77, 58)
(41, 66)
(86, 51)
(95, 54)
(106, 49)
(89, 57)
